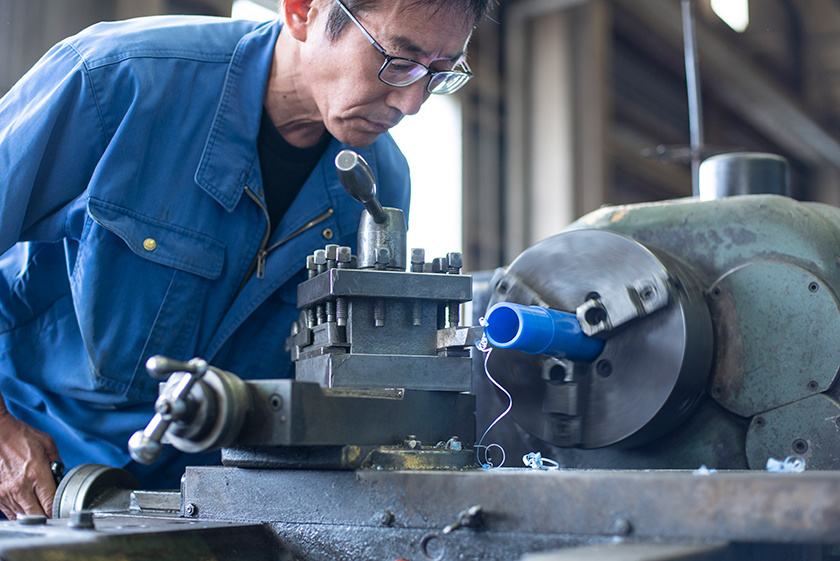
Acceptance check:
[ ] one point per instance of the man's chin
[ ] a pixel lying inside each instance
(357, 140)
(358, 133)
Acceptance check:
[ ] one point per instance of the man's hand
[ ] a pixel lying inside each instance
(26, 482)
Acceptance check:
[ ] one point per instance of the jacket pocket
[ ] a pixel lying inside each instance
(161, 242)
(139, 286)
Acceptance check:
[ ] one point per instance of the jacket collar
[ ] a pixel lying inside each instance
(230, 151)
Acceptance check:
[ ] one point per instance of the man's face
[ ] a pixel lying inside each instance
(342, 76)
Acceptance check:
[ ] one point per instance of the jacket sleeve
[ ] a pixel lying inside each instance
(51, 138)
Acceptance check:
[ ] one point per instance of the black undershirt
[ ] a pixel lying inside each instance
(285, 168)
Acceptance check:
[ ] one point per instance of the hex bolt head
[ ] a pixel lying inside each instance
(320, 257)
(418, 259)
(191, 509)
(331, 251)
(386, 518)
(343, 254)
(455, 260)
(383, 258)
(81, 519)
(57, 469)
(622, 526)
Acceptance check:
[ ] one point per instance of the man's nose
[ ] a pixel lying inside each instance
(408, 99)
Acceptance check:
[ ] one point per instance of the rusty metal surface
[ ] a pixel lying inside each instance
(578, 506)
(140, 538)
(349, 457)
(371, 543)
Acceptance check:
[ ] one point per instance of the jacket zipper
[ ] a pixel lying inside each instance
(262, 253)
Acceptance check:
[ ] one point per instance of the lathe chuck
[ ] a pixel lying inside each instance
(656, 359)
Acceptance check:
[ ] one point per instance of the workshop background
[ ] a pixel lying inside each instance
(581, 103)
(717, 321)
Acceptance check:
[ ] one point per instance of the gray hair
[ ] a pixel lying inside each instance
(338, 20)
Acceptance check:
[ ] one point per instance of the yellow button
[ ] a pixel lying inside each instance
(327, 233)
(149, 244)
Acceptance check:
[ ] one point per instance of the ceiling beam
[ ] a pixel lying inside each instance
(738, 83)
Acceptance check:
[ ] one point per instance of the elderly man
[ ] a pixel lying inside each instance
(164, 179)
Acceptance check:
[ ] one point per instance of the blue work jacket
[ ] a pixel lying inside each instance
(131, 212)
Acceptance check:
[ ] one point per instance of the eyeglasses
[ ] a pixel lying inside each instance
(401, 72)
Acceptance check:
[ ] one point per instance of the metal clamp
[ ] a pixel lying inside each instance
(608, 310)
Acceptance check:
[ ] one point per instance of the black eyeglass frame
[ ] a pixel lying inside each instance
(460, 77)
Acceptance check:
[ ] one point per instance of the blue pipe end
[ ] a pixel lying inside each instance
(540, 331)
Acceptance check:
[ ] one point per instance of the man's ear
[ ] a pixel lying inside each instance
(298, 16)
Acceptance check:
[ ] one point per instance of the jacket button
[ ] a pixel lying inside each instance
(149, 244)
(327, 233)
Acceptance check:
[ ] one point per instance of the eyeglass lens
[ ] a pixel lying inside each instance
(403, 72)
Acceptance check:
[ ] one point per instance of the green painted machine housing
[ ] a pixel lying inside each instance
(771, 268)
(769, 272)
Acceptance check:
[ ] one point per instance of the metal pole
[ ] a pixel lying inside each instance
(695, 106)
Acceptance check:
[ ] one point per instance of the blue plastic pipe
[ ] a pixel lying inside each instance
(539, 331)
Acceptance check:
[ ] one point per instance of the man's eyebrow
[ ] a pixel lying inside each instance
(404, 44)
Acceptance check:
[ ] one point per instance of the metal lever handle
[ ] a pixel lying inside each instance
(145, 445)
(161, 367)
(356, 177)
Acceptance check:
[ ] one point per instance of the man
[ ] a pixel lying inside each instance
(164, 180)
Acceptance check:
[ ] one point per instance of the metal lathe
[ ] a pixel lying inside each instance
(656, 357)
